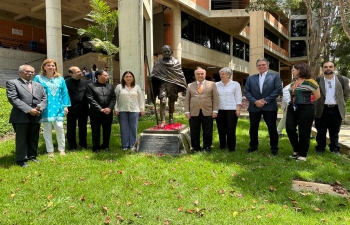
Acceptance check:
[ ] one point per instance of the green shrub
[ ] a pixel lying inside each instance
(5, 110)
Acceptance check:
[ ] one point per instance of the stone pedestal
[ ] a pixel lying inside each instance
(158, 141)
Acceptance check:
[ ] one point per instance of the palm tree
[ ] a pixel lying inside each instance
(102, 31)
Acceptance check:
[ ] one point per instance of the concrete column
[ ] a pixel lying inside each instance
(54, 32)
(131, 38)
(177, 32)
(149, 37)
(256, 42)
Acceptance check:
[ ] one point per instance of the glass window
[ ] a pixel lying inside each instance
(225, 43)
(240, 49)
(271, 36)
(297, 49)
(298, 28)
(274, 63)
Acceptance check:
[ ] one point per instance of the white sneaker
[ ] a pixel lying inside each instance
(301, 158)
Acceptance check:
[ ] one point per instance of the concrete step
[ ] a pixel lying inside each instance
(6, 75)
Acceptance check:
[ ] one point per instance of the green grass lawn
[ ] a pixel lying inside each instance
(122, 187)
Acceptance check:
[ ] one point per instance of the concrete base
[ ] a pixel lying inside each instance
(173, 142)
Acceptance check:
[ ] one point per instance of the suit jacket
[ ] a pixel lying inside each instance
(100, 96)
(78, 99)
(272, 88)
(23, 100)
(209, 99)
(341, 97)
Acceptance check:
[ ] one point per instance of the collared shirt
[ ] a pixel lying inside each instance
(25, 81)
(330, 91)
(230, 95)
(286, 94)
(261, 80)
(203, 82)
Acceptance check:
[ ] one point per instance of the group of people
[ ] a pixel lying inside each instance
(306, 100)
(48, 98)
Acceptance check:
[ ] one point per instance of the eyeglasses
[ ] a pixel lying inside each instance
(326, 67)
(329, 84)
(28, 71)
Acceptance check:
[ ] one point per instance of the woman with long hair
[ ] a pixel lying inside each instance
(57, 102)
(130, 105)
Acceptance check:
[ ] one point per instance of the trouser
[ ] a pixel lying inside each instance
(128, 128)
(96, 123)
(302, 118)
(282, 122)
(58, 126)
(71, 129)
(270, 118)
(207, 128)
(27, 138)
(331, 120)
(226, 122)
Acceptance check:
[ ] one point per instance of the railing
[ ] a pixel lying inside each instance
(29, 46)
(41, 59)
(227, 4)
(276, 47)
(275, 22)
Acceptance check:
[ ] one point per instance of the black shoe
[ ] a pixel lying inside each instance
(23, 164)
(231, 150)
(197, 150)
(106, 149)
(295, 155)
(274, 153)
(250, 150)
(83, 146)
(208, 149)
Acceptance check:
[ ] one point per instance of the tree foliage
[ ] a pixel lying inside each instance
(102, 31)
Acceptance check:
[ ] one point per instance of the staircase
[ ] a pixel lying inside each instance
(6, 75)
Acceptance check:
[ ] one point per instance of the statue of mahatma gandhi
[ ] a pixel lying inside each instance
(167, 80)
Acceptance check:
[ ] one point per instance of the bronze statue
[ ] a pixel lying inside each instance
(167, 80)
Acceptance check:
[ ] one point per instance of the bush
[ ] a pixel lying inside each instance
(5, 110)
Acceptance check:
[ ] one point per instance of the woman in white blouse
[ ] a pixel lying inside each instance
(130, 105)
(230, 100)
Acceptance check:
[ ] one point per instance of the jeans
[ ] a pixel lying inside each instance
(58, 126)
(302, 118)
(128, 128)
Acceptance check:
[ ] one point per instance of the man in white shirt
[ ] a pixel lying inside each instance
(330, 107)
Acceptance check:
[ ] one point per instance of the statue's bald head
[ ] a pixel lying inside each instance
(166, 52)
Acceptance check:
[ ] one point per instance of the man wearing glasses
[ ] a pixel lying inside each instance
(330, 107)
(28, 99)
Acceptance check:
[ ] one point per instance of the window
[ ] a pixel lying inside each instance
(297, 49)
(240, 49)
(274, 63)
(298, 28)
(271, 36)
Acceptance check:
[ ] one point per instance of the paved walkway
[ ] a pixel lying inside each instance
(344, 135)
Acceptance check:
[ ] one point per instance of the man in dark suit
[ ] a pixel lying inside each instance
(330, 108)
(79, 109)
(261, 90)
(28, 100)
(201, 107)
(102, 98)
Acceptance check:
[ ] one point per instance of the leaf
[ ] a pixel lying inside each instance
(104, 209)
(119, 217)
(317, 209)
(235, 213)
(262, 207)
(272, 188)
(128, 203)
(49, 204)
(120, 171)
(90, 206)
(222, 191)
(337, 182)
(105, 176)
(50, 197)
(269, 215)
(137, 214)
(180, 209)
(166, 222)
(107, 220)
(298, 209)
(146, 183)
(86, 157)
(239, 195)
(82, 198)
(285, 207)
(243, 179)
(195, 202)
(179, 196)
(258, 217)
(190, 211)
(12, 196)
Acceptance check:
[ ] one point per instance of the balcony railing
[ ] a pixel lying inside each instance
(276, 47)
(276, 23)
(228, 4)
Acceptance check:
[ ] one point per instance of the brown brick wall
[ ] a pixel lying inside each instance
(203, 3)
(30, 33)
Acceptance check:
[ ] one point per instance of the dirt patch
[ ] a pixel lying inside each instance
(302, 186)
(8, 137)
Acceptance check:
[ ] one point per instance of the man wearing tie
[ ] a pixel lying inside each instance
(79, 109)
(28, 100)
(261, 90)
(201, 107)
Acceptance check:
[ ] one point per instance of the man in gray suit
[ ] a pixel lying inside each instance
(261, 90)
(330, 107)
(28, 99)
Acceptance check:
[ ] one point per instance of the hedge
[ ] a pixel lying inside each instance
(5, 110)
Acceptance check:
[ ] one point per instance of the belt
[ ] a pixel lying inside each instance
(329, 105)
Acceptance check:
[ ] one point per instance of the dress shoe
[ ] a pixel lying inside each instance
(250, 150)
(274, 153)
(207, 149)
(231, 150)
(23, 164)
(301, 158)
(294, 155)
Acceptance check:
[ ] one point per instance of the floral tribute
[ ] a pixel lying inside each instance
(173, 126)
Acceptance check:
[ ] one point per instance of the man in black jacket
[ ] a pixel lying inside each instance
(102, 98)
(79, 109)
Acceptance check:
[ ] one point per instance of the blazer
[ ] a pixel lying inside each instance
(23, 100)
(272, 88)
(341, 97)
(209, 99)
(100, 96)
(76, 90)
